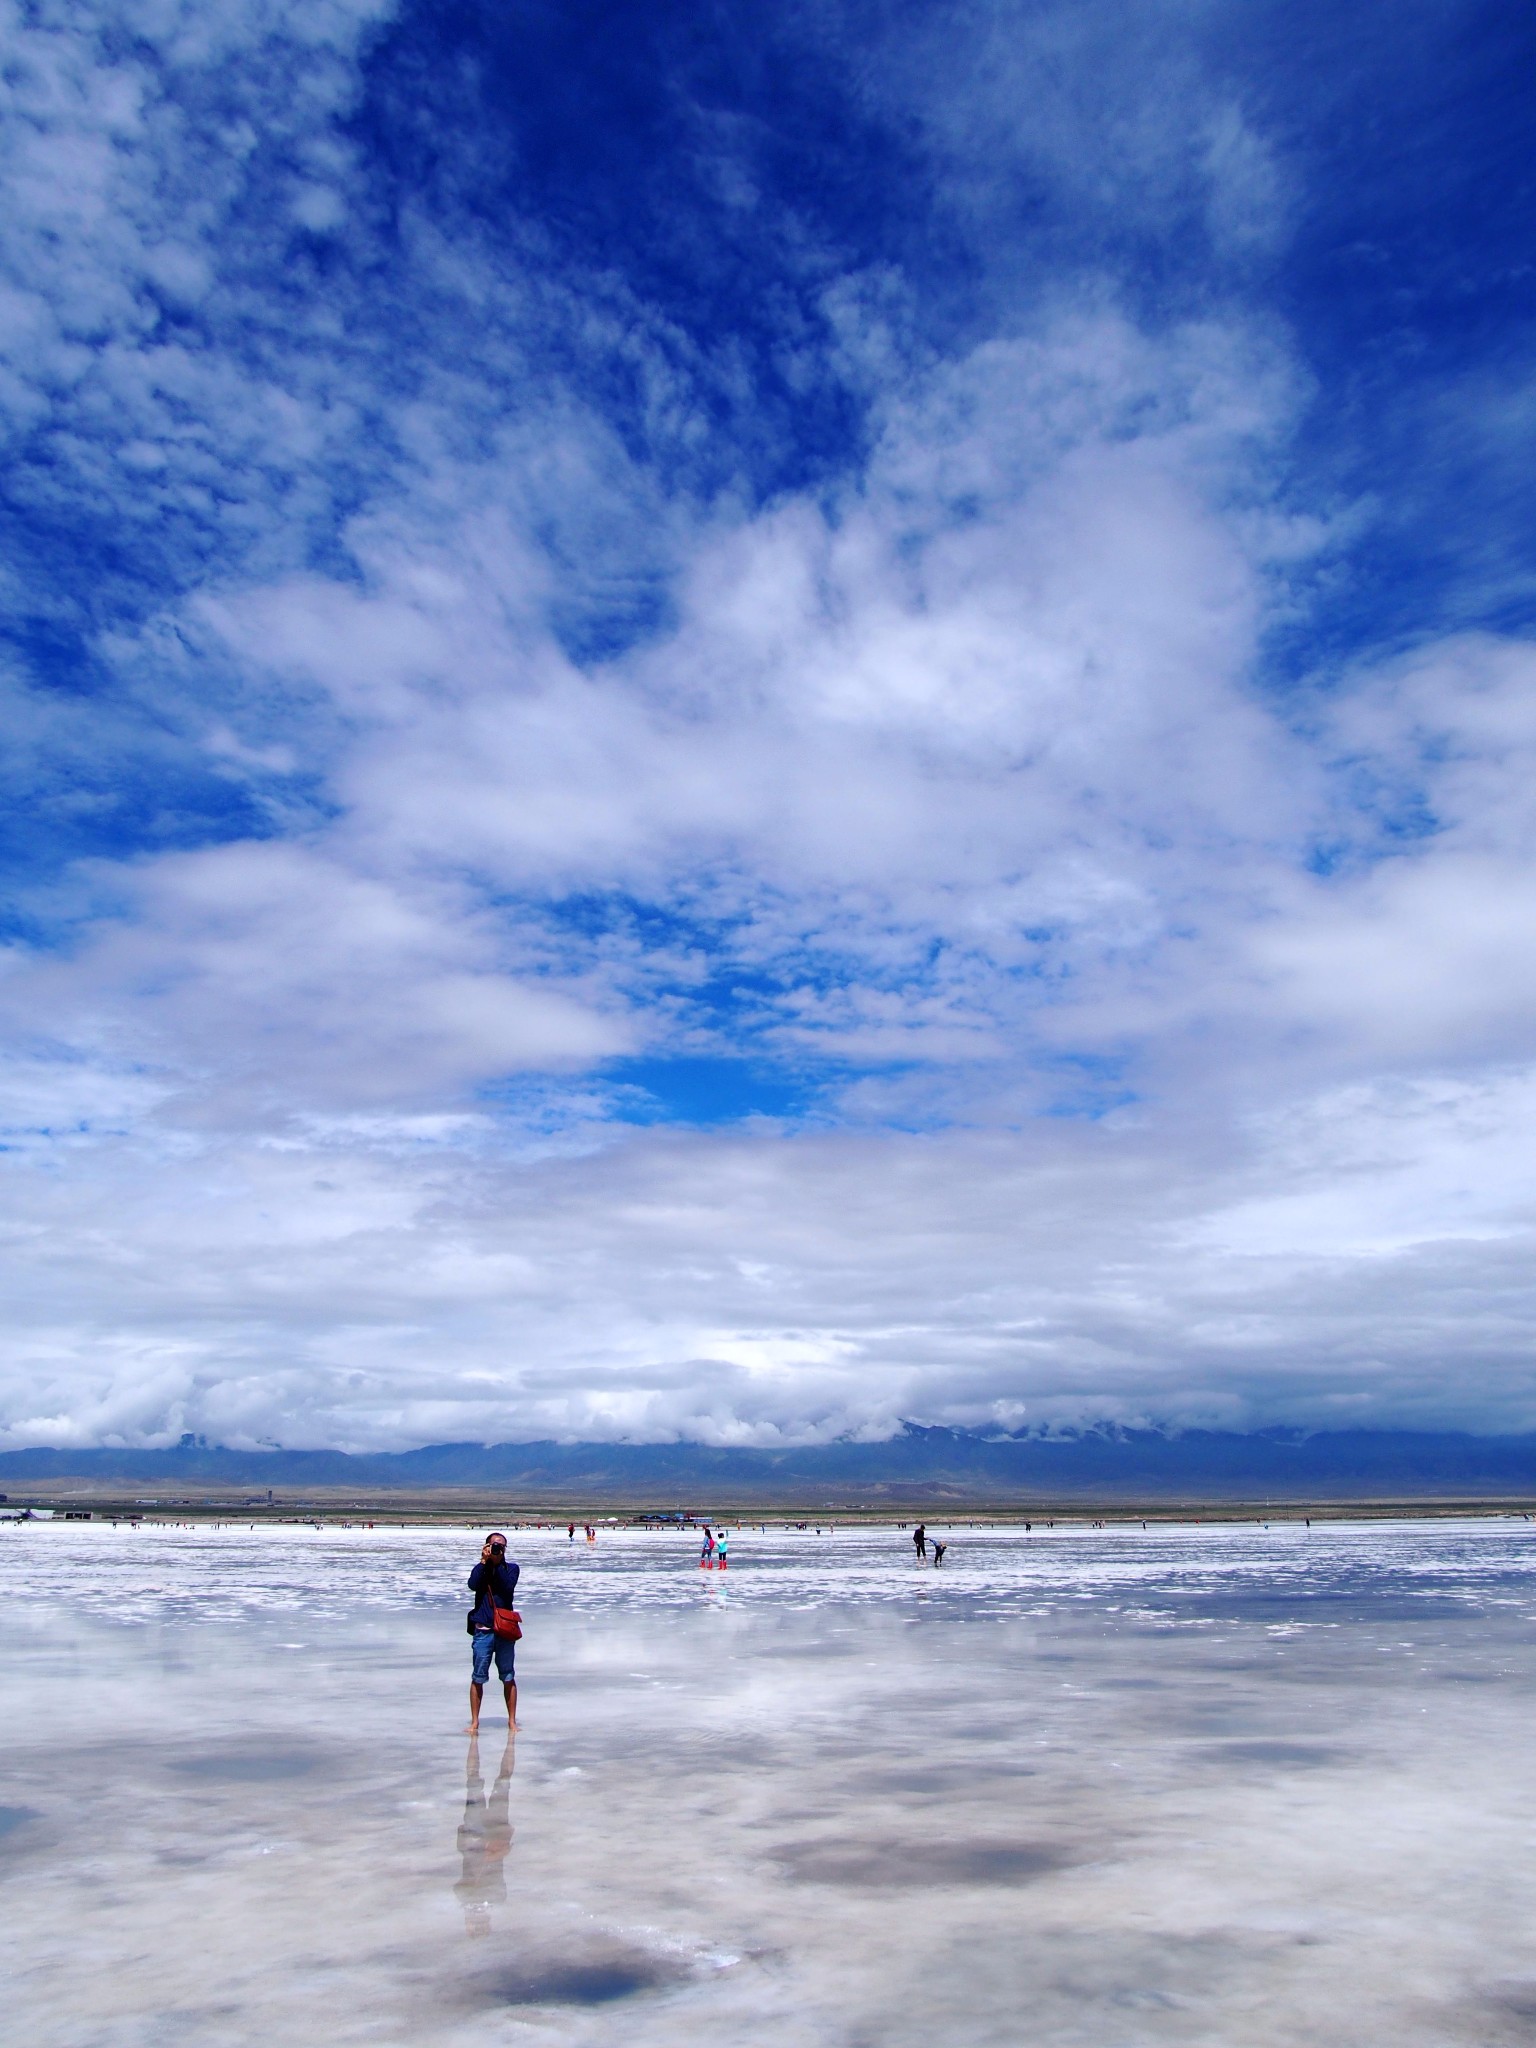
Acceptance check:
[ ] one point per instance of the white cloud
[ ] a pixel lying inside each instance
(999, 688)
(1424, 944)
(267, 973)
(980, 740)
(1211, 1010)
(1378, 1169)
(745, 1286)
(376, 1273)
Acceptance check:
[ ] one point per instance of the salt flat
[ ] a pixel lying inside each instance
(1218, 1785)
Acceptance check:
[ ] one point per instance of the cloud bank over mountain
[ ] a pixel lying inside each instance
(736, 729)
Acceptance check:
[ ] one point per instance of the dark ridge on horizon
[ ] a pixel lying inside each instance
(1101, 1461)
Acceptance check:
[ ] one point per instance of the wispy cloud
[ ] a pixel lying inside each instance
(702, 748)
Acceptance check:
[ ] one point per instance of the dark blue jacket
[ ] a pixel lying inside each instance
(505, 1588)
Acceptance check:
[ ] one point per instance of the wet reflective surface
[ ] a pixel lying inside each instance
(1197, 1785)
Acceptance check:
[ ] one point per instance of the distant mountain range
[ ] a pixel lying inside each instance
(917, 1464)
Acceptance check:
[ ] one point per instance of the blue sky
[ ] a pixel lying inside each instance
(742, 722)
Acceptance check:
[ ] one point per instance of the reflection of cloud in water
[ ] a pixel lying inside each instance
(246, 1766)
(1116, 1788)
(921, 1862)
(1289, 1756)
(600, 1977)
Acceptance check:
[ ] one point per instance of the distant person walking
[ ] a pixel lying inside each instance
(570, 1532)
(494, 1585)
(920, 1541)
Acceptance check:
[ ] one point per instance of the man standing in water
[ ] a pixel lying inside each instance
(920, 1541)
(494, 1584)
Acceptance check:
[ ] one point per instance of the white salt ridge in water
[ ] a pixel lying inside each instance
(1199, 1785)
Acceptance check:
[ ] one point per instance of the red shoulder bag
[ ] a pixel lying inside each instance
(507, 1623)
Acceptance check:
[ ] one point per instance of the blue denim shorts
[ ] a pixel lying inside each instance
(482, 1643)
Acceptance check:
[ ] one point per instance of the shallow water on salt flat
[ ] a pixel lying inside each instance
(1201, 1784)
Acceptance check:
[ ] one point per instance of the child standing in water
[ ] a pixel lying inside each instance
(707, 1554)
(722, 1551)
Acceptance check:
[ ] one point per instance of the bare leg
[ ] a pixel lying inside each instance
(476, 1694)
(510, 1693)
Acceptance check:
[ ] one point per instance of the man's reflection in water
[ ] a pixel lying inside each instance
(485, 1839)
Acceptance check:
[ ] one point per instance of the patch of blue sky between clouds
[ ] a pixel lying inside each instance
(739, 983)
(1405, 276)
(705, 1092)
(707, 184)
